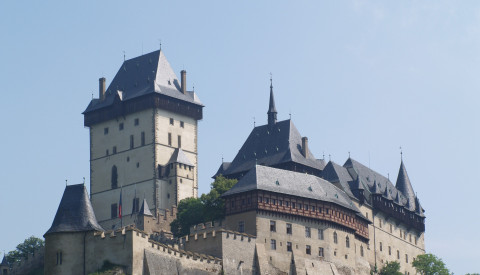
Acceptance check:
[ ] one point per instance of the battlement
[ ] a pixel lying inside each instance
(27, 265)
(207, 227)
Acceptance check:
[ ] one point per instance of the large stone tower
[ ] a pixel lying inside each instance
(143, 140)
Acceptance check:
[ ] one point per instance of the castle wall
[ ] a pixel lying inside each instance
(389, 236)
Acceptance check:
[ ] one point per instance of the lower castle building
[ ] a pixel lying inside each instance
(289, 213)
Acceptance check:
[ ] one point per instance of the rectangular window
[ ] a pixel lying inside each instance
(320, 252)
(273, 226)
(113, 211)
(415, 240)
(293, 205)
(137, 121)
(280, 203)
(381, 246)
(59, 261)
(120, 126)
(169, 139)
(308, 250)
(107, 153)
(171, 121)
(320, 234)
(308, 232)
(131, 142)
(249, 200)
(289, 246)
(380, 223)
(114, 149)
(406, 258)
(398, 254)
(306, 207)
(179, 141)
(232, 203)
(267, 200)
(389, 250)
(273, 244)
(241, 226)
(260, 199)
(391, 229)
(313, 208)
(287, 203)
(274, 201)
(182, 125)
(300, 206)
(289, 228)
(105, 131)
(142, 138)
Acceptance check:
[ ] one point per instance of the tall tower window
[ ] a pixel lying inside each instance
(347, 242)
(142, 138)
(335, 237)
(131, 142)
(179, 141)
(120, 126)
(114, 177)
(171, 121)
(169, 139)
(59, 259)
(137, 122)
(105, 131)
(182, 125)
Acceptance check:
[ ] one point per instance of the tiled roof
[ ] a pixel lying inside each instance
(179, 156)
(270, 146)
(145, 210)
(75, 212)
(291, 183)
(142, 75)
(221, 170)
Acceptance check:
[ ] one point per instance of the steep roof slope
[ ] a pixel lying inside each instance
(75, 212)
(272, 145)
(403, 185)
(142, 75)
(291, 183)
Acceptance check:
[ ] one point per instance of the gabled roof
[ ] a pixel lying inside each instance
(272, 145)
(369, 177)
(142, 75)
(291, 183)
(221, 170)
(335, 173)
(404, 186)
(145, 210)
(75, 212)
(179, 156)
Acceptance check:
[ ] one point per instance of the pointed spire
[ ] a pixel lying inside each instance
(358, 184)
(403, 185)
(386, 194)
(144, 210)
(397, 198)
(272, 111)
(376, 188)
(4, 261)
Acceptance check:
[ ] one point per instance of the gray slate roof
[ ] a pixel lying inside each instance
(221, 170)
(75, 212)
(404, 186)
(145, 210)
(272, 145)
(291, 183)
(335, 173)
(4, 261)
(179, 156)
(142, 75)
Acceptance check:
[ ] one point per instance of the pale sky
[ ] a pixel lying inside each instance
(364, 77)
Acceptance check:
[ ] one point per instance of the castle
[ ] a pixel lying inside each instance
(289, 213)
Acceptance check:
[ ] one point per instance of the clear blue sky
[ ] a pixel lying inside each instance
(359, 76)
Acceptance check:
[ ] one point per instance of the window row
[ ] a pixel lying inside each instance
(390, 252)
(132, 144)
(136, 122)
(179, 140)
(308, 248)
(172, 122)
(403, 234)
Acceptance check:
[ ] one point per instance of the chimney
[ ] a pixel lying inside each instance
(101, 88)
(184, 81)
(304, 146)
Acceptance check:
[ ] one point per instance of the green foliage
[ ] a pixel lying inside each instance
(209, 207)
(390, 268)
(24, 249)
(109, 268)
(429, 264)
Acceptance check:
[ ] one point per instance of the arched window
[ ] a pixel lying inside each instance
(114, 177)
(335, 237)
(347, 242)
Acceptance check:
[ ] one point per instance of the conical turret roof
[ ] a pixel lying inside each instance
(75, 212)
(357, 184)
(145, 210)
(4, 261)
(403, 185)
(376, 188)
(386, 193)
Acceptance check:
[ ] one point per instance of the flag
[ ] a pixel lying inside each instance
(120, 206)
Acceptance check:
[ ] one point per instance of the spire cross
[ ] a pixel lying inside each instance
(123, 56)
(160, 41)
(401, 153)
(254, 122)
(323, 155)
(271, 81)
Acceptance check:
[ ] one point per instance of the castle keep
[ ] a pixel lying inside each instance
(289, 213)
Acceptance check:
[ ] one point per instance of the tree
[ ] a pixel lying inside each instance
(390, 268)
(29, 246)
(209, 207)
(429, 264)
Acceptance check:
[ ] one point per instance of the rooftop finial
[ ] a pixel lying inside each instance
(83, 180)
(123, 56)
(272, 111)
(66, 182)
(348, 154)
(160, 41)
(401, 153)
(253, 122)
